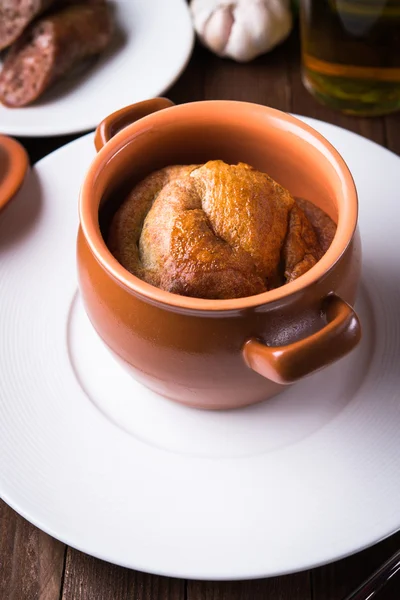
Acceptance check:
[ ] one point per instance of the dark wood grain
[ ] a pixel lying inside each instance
(392, 129)
(337, 580)
(87, 578)
(294, 587)
(265, 80)
(190, 85)
(31, 562)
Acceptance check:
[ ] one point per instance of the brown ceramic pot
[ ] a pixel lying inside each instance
(220, 353)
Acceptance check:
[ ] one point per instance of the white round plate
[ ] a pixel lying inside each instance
(98, 461)
(151, 47)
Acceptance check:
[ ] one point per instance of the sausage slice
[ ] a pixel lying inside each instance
(50, 48)
(15, 16)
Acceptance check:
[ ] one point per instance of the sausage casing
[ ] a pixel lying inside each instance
(50, 48)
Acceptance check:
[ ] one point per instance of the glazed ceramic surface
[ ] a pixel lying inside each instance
(13, 166)
(97, 460)
(221, 353)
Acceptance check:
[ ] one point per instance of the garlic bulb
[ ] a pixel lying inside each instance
(241, 29)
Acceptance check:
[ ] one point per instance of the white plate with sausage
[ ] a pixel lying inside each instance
(150, 45)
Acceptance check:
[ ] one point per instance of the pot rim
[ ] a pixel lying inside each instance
(346, 225)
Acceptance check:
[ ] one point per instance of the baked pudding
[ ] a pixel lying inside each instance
(217, 231)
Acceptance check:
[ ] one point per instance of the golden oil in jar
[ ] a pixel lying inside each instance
(351, 54)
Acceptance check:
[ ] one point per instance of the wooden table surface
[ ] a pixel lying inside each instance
(33, 566)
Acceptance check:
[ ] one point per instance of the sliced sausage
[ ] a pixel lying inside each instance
(15, 16)
(50, 48)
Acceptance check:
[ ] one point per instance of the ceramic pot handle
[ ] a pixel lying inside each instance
(125, 116)
(287, 364)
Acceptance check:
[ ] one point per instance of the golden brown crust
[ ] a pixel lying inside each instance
(248, 210)
(324, 227)
(301, 249)
(216, 231)
(126, 226)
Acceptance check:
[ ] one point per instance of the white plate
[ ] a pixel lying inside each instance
(96, 460)
(152, 45)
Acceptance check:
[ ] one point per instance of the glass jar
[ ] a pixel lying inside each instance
(351, 54)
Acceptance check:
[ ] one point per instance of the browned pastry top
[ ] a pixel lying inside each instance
(217, 231)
